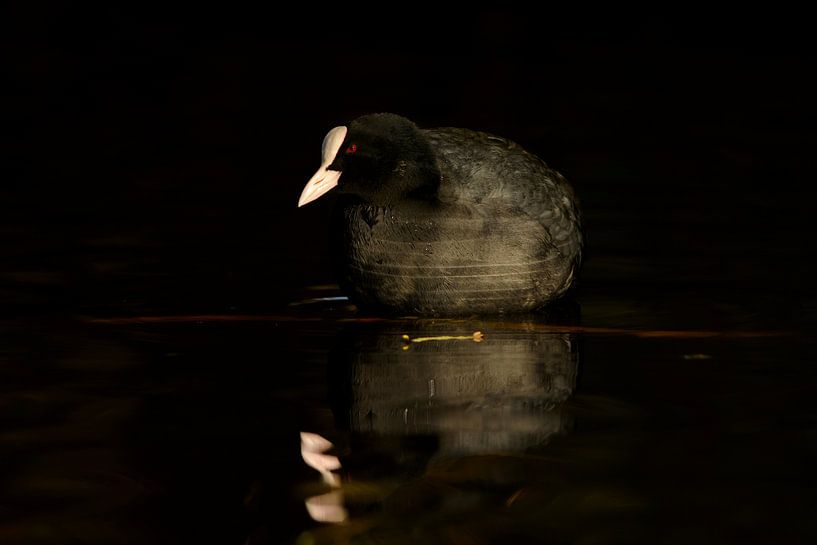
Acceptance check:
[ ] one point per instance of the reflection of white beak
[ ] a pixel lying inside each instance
(324, 180)
(313, 447)
(327, 507)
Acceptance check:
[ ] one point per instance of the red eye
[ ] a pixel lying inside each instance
(352, 149)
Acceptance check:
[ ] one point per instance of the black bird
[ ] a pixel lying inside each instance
(447, 220)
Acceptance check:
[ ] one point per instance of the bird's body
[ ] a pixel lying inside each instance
(490, 229)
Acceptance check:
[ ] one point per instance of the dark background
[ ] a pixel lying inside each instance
(151, 164)
(153, 158)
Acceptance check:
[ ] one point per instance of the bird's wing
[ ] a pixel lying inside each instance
(480, 168)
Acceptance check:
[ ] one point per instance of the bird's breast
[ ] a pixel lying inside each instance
(419, 258)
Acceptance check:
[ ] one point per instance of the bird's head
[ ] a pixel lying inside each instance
(379, 158)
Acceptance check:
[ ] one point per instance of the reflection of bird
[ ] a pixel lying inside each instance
(501, 394)
(446, 220)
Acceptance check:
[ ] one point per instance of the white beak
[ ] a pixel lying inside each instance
(324, 180)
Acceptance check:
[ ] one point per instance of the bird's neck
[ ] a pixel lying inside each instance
(421, 181)
(410, 181)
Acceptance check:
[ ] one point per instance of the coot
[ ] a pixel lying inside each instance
(445, 221)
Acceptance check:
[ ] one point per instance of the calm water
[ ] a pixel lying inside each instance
(663, 406)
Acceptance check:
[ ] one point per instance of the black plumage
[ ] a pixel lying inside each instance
(450, 221)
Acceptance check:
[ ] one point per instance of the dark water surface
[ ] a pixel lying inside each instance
(606, 421)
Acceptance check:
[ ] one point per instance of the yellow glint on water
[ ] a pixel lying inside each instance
(477, 336)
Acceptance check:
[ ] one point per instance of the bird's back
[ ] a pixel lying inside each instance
(480, 169)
